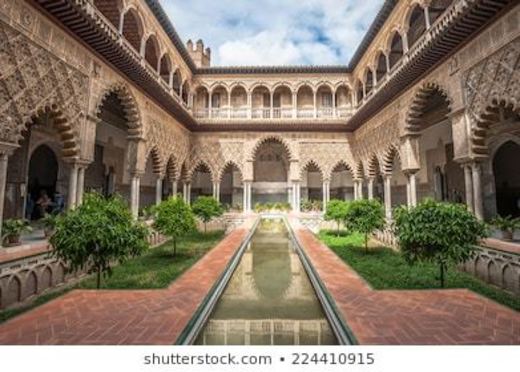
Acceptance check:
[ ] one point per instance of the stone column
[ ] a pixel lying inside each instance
(356, 190)
(360, 189)
(158, 190)
(388, 196)
(295, 104)
(135, 187)
(315, 100)
(81, 185)
(298, 197)
(427, 17)
(271, 106)
(229, 105)
(216, 191)
(188, 193)
(296, 191)
(477, 190)
(249, 196)
(404, 37)
(244, 195)
(334, 111)
(249, 105)
(174, 188)
(326, 194)
(3, 181)
(185, 192)
(413, 188)
(73, 185)
(468, 181)
(210, 105)
(370, 188)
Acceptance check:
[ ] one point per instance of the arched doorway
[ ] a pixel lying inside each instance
(231, 190)
(342, 182)
(42, 180)
(271, 173)
(507, 179)
(312, 186)
(440, 177)
(201, 182)
(108, 173)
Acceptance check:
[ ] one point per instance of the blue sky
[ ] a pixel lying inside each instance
(274, 32)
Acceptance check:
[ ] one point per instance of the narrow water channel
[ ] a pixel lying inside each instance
(269, 299)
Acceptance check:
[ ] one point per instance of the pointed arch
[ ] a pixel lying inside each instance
(489, 115)
(272, 138)
(373, 166)
(416, 23)
(359, 171)
(200, 166)
(172, 170)
(165, 68)
(391, 154)
(157, 161)
(338, 165)
(422, 97)
(230, 164)
(133, 28)
(69, 138)
(152, 51)
(396, 48)
(312, 165)
(130, 107)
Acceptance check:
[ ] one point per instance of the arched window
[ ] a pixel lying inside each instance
(381, 66)
(151, 52)
(165, 68)
(416, 24)
(111, 9)
(396, 49)
(132, 29)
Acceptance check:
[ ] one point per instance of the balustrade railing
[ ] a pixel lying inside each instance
(225, 113)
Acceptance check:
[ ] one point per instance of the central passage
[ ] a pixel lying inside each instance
(269, 299)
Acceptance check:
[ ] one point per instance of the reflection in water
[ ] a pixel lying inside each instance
(269, 299)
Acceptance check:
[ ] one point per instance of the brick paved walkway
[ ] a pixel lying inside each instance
(459, 317)
(146, 317)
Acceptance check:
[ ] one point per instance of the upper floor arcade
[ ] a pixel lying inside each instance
(276, 97)
(406, 40)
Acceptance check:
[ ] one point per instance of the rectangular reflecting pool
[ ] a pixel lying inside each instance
(269, 300)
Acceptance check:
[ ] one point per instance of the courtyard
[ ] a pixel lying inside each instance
(149, 197)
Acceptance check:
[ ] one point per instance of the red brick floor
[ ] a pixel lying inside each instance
(147, 317)
(447, 317)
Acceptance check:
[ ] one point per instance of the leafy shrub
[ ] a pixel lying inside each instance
(98, 233)
(174, 219)
(365, 216)
(442, 233)
(337, 211)
(12, 230)
(207, 208)
(508, 225)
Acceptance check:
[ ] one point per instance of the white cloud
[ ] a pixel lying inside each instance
(275, 32)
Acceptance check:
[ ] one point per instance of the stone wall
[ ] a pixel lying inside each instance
(23, 280)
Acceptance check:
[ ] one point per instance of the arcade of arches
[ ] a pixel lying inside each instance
(72, 122)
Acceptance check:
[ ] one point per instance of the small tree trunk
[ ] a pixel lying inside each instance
(205, 228)
(337, 230)
(174, 247)
(366, 243)
(98, 280)
(442, 268)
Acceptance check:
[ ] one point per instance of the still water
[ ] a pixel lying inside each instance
(269, 299)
